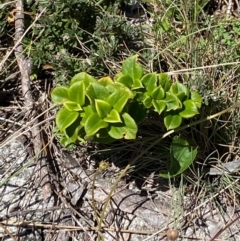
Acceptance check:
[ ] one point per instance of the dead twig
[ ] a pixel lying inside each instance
(23, 63)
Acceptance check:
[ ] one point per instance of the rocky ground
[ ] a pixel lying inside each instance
(78, 197)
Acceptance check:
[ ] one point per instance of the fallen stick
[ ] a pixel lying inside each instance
(25, 70)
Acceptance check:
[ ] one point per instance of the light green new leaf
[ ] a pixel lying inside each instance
(182, 155)
(172, 102)
(77, 92)
(105, 81)
(118, 100)
(85, 77)
(147, 101)
(93, 124)
(150, 82)
(113, 117)
(196, 98)
(164, 81)
(72, 106)
(190, 109)
(65, 118)
(159, 106)
(132, 68)
(127, 129)
(125, 80)
(178, 88)
(87, 111)
(137, 84)
(131, 127)
(102, 107)
(97, 91)
(60, 95)
(158, 93)
(172, 120)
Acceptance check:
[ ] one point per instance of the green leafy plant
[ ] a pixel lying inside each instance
(106, 109)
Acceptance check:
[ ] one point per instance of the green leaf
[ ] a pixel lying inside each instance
(127, 129)
(60, 95)
(164, 81)
(97, 91)
(65, 118)
(139, 115)
(105, 81)
(172, 102)
(182, 155)
(72, 131)
(132, 68)
(113, 117)
(125, 80)
(165, 24)
(85, 77)
(102, 107)
(158, 93)
(150, 82)
(118, 100)
(77, 93)
(190, 109)
(87, 111)
(196, 98)
(180, 90)
(131, 127)
(172, 120)
(103, 137)
(137, 84)
(66, 142)
(159, 106)
(93, 124)
(72, 106)
(147, 101)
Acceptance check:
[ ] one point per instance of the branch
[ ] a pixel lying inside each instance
(25, 70)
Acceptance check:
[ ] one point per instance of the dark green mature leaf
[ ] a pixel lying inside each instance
(132, 68)
(182, 155)
(72, 131)
(190, 109)
(60, 95)
(139, 115)
(172, 120)
(65, 118)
